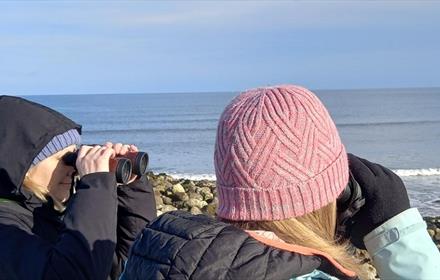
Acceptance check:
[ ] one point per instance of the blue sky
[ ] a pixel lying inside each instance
(61, 47)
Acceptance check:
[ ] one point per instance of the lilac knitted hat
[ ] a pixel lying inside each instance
(58, 142)
(277, 155)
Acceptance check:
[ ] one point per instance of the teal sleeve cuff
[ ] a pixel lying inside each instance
(401, 248)
(392, 230)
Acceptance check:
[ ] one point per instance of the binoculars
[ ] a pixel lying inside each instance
(349, 202)
(122, 166)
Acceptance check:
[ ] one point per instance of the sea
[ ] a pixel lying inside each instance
(398, 128)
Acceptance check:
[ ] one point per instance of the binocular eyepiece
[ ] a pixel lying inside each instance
(122, 166)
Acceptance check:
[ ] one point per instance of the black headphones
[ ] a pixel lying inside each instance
(348, 203)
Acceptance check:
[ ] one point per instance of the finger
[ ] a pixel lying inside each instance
(133, 148)
(105, 149)
(83, 151)
(108, 144)
(107, 153)
(117, 147)
(124, 149)
(93, 151)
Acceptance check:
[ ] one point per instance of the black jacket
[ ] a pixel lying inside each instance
(91, 239)
(178, 245)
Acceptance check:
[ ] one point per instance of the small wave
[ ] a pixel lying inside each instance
(400, 172)
(387, 123)
(417, 172)
(194, 177)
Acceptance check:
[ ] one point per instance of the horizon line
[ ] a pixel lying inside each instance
(218, 91)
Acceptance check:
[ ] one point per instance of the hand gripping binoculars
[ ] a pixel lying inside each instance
(122, 166)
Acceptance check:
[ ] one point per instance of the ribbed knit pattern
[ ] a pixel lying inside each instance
(277, 155)
(59, 142)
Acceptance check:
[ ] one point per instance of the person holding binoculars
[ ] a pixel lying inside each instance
(66, 213)
(290, 198)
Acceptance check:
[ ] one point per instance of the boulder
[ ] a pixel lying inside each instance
(193, 202)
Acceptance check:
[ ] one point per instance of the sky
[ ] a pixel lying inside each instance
(90, 47)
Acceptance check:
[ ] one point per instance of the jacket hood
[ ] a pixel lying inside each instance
(25, 129)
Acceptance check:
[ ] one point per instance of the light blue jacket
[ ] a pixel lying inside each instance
(401, 248)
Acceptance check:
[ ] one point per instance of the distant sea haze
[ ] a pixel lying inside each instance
(399, 128)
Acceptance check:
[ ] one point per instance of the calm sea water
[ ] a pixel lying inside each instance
(397, 128)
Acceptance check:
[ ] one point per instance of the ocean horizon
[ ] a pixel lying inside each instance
(398, 128)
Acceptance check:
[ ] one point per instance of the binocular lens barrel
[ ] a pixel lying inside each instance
(140, 163)
(123, 167)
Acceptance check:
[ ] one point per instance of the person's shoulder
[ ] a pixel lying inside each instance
(13, 214)
(178, 243)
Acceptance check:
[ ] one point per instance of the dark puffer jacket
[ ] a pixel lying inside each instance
(178, 245)
(91, 239)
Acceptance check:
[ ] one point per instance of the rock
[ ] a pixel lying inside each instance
(181, 196)
(160, 188)
(159, 202)
(431, 233)
(181, 205)
(189, 186)
(167, 200)
(437, 234)
(210, 209)
(158, 213)
(178, 188)
(205, 183)
(168, 208)
(179, 193)
(193, 202)
(195, 211)
(194, 195)
(206, 193)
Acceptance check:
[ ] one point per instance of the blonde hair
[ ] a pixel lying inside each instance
(42, 193)
(38, 190)
(314, 230)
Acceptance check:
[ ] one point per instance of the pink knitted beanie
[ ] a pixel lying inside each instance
(277, 155)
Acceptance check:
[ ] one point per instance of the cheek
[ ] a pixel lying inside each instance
(52, 175)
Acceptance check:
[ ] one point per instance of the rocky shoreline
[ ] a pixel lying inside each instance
(200, 197)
